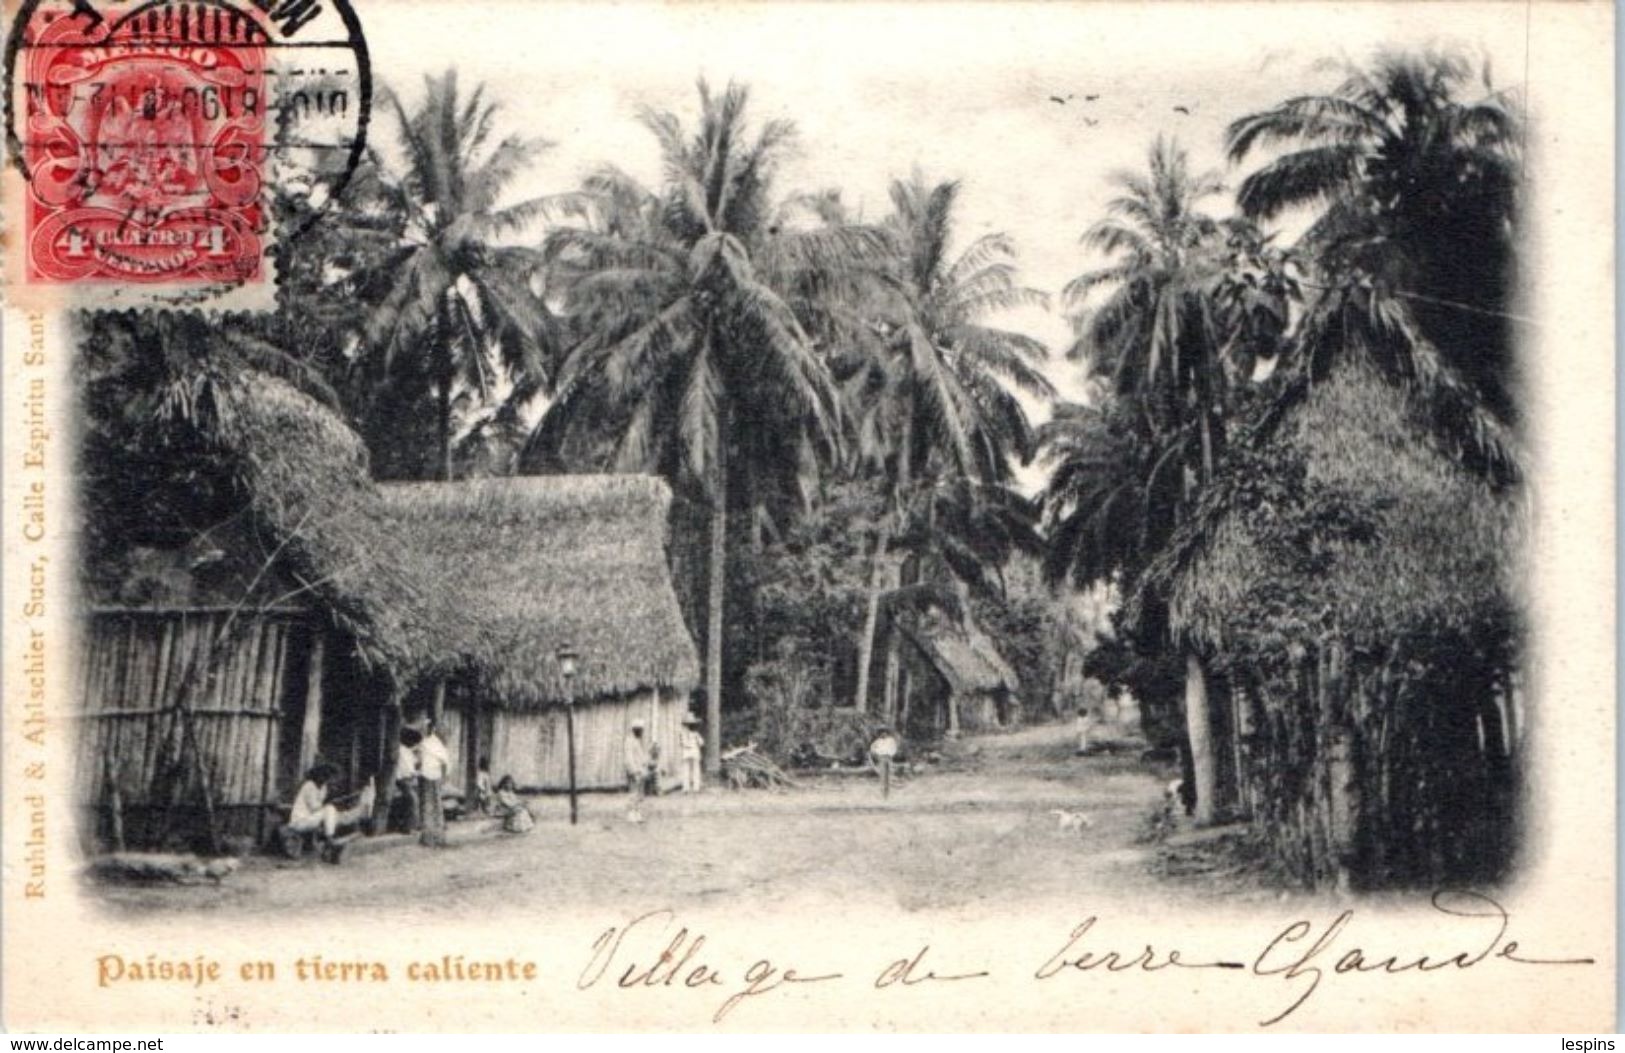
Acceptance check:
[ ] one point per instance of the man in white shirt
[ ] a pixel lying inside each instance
(434, 764)
(406, 781)
(692, 746)
(311, 812)
(883, 751)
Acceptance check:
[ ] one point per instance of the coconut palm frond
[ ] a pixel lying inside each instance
(1306, 177)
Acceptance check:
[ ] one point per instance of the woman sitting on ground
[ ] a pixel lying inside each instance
(515, 813)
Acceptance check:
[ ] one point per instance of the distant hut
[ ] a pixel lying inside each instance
(215, 665)
(514, 570)
(958, 680)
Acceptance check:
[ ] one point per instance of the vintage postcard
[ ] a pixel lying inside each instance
(800, 516)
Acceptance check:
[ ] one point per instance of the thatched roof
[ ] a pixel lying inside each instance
(311, 533)
(962, 654)
(518, 567)
(484, 579)
(1441, 546)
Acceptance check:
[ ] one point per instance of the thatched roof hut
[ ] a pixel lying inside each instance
(965, 658)
(485, 577)
(314, 513)
(974, 685)
(511, 569)
(203, 657)
(1433, 544)
(1361, 589)
(321, 582)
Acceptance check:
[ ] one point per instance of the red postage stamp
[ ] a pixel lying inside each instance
(145, 148)
(156, 143)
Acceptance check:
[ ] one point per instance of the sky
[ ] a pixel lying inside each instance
(961, 91)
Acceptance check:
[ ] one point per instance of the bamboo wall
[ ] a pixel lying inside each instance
(531, 745)
(1383, 769)
(131, 671)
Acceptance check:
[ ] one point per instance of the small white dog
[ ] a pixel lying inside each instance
(1075, 821)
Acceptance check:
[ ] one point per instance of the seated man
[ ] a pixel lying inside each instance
(312, 814)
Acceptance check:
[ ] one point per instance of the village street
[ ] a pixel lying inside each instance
(979, 828)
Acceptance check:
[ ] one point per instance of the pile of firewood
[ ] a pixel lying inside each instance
(744, 767)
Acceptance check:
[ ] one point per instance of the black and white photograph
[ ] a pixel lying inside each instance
(928, 461)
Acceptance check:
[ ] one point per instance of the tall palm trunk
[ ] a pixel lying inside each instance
(904, 480)
(713, 600)
(878, 582)
(871, 620)
(448, 376)
(1199, 725)
(443, 427)
(893, 664)
(1199, 728)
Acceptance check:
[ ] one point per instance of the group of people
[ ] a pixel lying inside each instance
(422, 767)
(641, 760)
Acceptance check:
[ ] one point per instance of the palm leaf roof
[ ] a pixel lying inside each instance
(484, 579)
(1438, 548)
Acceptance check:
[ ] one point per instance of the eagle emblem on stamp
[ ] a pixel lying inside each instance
(150, 138)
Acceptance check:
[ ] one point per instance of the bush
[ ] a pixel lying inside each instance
(793, 722)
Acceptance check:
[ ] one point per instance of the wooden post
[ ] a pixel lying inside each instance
(437, 708)
(471, 737)
(115, 802)
(310, 734)
(389, 722)
(276, 643)
(570, 733)
(654, 735)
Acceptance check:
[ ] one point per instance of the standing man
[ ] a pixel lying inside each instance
(883, 750)
(434, 764)
(638, 762)
(691, 743)
(406, 781)
(1083, 727)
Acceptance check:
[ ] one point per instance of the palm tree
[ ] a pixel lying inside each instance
(1415, 186)
(1151, 336)
(933, 384)
(453, 300)
(1185, 299)
(1109, 503)
(694, 303)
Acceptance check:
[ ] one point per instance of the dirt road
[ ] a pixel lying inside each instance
(981, 828)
